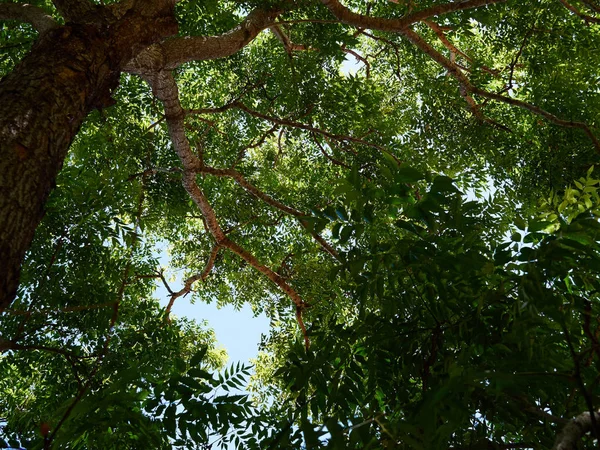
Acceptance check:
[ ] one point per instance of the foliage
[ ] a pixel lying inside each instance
(444, 242)
(455, 339)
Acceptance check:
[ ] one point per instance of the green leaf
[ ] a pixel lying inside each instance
(408, 175)
(198, 356)
(442, 183)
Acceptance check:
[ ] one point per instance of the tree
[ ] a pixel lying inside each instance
(334, 187)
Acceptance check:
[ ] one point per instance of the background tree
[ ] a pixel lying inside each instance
(230, 132)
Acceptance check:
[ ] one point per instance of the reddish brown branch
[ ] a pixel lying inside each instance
(286, 41)
(329, 157)
(302, 326)
(289, 123)
(349, 17)
(260, 141)
(466, 84)
(187, 288)
(359, 57)
(177, 51)
(164, 87)
(222, 240)
(577, 12)
(249, 187)
(452, 48)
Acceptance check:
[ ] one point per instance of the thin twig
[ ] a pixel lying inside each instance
(187, 288)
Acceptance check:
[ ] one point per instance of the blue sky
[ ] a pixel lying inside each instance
(238, 331)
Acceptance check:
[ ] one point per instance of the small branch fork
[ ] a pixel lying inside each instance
(237, 104)
(187, 287)
(291, 47)
(249, 187)
(466, 84)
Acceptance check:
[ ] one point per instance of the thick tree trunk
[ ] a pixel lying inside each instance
(70, 71)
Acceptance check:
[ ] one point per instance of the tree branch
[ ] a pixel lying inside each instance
(577, 12)
(181, 50)
(452, 48)
(348, 17)
(187, 287)
(289, 123)
(286, 41)
(466, 84)
(249, 187)
(214, 228)
(165, 89)
(574, 431)
(34, 15)
(337, 162)
(177, 51)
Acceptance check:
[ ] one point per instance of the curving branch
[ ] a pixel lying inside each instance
(401, 25)
(286, 41)
(349, 17)
(214, 228)
(181, 50)
(337, 162)
(174, 52)
(585, 17)
(187, 286)
(290, 123)
(360, 58)
(34, 15)
(572, 433)
(466, 84)
(249, 187)
(165, 89)
(439, 32)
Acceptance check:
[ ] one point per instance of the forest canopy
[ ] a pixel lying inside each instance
(408, 191)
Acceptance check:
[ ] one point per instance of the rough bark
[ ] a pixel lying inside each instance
(36, 16)
(70, 71)
(572, 433)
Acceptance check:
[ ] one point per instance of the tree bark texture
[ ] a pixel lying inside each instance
(70, 71)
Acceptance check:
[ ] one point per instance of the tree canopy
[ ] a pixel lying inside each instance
(406, 189)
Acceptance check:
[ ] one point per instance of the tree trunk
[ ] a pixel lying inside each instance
(70, 71)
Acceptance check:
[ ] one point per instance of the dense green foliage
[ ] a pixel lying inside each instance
(460, 309)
